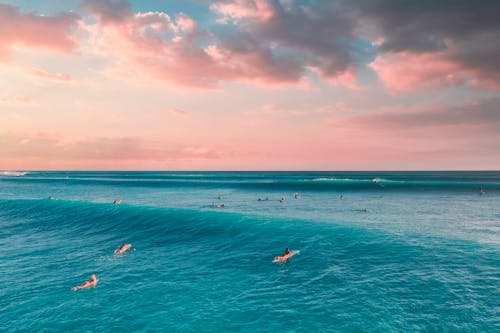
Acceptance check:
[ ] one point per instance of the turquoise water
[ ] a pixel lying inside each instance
(424, 256)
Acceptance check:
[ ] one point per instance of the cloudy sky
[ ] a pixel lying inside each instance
(250, 84)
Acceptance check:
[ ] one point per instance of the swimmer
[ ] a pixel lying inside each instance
(219, 197)
(92, 282)
(124, 247)
(117, 202)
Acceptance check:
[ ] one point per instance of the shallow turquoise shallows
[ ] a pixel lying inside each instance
(379, 251)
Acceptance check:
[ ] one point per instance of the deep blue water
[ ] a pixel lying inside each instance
(424, 256)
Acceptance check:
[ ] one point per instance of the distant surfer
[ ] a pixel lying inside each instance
(92, 282)
(117, 202)
(296, 195)
(219, 205)
(123, 248)
(341, 197)
(286, 255)
(283, 199)
(481, 191)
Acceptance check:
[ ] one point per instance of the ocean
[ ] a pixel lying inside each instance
(379, 251)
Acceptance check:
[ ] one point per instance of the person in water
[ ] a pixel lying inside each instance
(124, 247)
(287, 252)
(92, 282)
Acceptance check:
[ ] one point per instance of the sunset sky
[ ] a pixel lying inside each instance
(249, 85)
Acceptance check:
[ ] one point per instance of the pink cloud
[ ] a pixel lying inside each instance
(170, 50)
(31, 30)
(47, 75)
(425, 135)
(178, 112)
(260, 10)
(49, 151)
(258, 50)
(408, 71)
(271, 108)
(23, 99)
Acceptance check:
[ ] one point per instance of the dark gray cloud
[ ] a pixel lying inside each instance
(296, 36)
(423, 25)
(339, 35)
(466, 32)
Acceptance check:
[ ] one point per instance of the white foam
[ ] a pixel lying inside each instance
(13, 173)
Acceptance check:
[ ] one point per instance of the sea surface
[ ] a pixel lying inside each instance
(379, 251)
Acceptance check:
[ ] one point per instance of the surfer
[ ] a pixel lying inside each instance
(481, 191)
(92, 282)
(285, 256)
(296, 195)
(341, 197)
(117, 202)
(283, 199)
(218, 205)
(124, 247)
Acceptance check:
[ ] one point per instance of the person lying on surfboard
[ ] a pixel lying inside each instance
(124, 247)
(92, 282)
(285, 256)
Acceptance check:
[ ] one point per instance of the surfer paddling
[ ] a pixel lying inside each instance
(124, 247)
(92, 282)
(286, 255)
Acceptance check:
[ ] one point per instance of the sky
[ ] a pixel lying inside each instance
(250, 85)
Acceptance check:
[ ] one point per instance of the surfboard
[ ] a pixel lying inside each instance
(286, 257)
